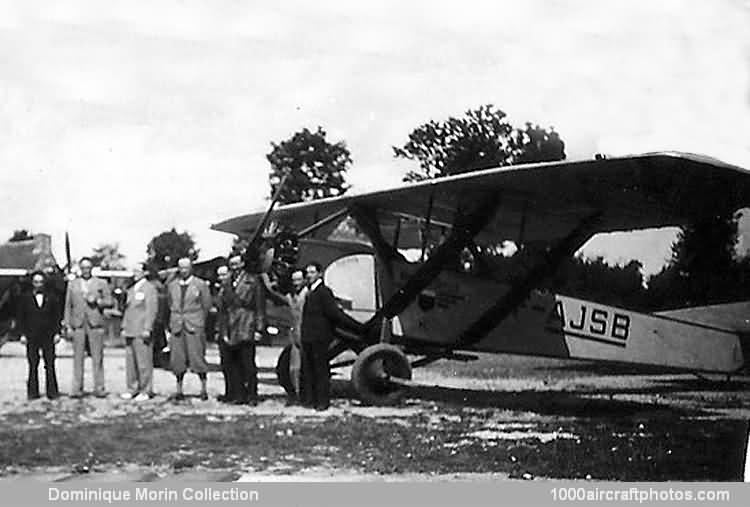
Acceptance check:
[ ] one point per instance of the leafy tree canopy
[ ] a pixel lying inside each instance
(108, 256)
(316, 167)
(482, 138)
(168, 247)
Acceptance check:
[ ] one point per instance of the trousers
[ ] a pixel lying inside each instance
(316, 374)
(94, 336)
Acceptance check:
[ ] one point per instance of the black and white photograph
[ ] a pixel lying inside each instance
(486, 241)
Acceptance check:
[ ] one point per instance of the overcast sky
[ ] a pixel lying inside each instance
(119, 120)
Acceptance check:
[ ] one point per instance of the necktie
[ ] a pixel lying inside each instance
(183, 290)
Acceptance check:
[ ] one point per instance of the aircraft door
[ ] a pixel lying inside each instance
(352, 279)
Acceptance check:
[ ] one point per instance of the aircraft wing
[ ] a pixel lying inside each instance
(543, 202)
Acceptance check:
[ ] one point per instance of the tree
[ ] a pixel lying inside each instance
(108, 256)
(535, 144)
(704, 268)
(480, 139)
(316, 167)
(21, 235)
(596, 280)
(168, 247)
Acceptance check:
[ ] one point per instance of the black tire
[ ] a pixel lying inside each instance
(282, 371)
(372, 369)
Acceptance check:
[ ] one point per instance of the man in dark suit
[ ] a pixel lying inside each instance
(39, 312)
(320, 316)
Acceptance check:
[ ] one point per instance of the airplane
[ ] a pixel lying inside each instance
(18, 259)
(435, 305)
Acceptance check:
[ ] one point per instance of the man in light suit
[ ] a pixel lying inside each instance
(85, 300)
(141, 306)
(189, 303)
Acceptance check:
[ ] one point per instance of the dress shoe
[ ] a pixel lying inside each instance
(204, 396)
(76, 396)
(322, 408)
(101, 395)
(31, 397)
(53, 396)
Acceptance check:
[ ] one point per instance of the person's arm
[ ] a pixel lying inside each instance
(205, 297)
(337, 315)
(54, 303)
(22, 317)
(152, 308)
(168, 309)
(277, 297)
(68, 312)
(105, 299)
(260, 310)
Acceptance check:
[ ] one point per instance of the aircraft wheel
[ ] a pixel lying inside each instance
(282, 370)
(372, 371)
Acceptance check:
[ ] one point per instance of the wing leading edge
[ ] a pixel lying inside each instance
(543, 202)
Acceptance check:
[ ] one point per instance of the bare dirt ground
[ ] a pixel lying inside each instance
(495, 418)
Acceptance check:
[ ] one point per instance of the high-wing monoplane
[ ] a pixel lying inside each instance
(433, 306)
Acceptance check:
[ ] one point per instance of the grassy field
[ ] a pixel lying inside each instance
(435, 439)
(516, 417)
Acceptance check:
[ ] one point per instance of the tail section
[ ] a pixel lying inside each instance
(734, 317)
(731, 316)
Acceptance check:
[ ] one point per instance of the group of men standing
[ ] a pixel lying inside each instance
(239, 303)
(42, 314)
(241, 323)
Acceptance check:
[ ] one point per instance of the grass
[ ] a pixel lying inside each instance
(617, 448)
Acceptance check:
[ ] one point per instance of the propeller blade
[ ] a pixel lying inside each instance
(264, 222)
(67, 253)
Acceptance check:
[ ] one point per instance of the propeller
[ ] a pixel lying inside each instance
(68, 258)
(252, 251)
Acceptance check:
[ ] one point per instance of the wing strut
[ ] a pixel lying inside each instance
(466, 227)
(368, 222)
(426, 228)
(519, 291)
(324, 221)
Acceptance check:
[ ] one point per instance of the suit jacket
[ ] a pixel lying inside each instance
(141, 307)
(321, 314)
(38, 324)
(77, 308)
(240, 308)
(191, 315)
